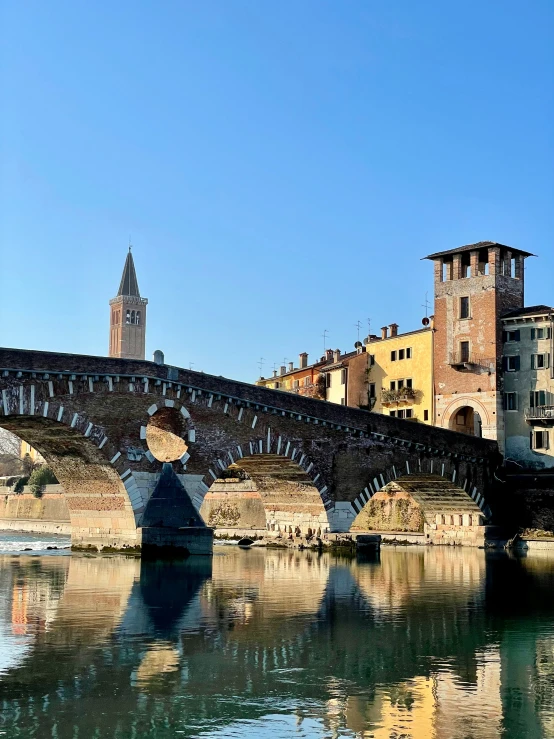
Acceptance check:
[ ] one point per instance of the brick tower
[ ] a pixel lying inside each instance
(128, 316)
(474, 286)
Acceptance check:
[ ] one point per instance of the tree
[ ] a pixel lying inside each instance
(40, 478)
(10, 460)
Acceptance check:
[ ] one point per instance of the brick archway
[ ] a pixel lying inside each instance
(456, 405)
(102, 496)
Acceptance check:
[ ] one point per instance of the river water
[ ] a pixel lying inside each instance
(416, 643)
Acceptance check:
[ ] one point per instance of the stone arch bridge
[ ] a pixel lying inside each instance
(106, 425)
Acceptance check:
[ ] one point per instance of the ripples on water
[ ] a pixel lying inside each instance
(418, 643)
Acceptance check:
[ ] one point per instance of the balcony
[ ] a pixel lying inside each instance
(402, 395)
(542, 413)
(469, 362)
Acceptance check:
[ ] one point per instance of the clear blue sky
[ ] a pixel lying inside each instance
(281, 166)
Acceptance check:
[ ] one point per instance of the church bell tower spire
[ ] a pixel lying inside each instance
(128, 316)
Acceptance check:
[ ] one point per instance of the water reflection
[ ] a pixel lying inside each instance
(416, 643)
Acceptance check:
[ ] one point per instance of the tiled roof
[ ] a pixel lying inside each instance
(478, 245)
(533, 310)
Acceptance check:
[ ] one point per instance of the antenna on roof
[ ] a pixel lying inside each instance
(324, 336)
(358, 325)
(426, 305)
(261, 364)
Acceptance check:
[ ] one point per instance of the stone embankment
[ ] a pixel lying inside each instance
(45, 515)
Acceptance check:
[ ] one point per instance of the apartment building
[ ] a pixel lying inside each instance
(528, 398)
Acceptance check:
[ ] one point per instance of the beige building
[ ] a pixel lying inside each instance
(128, 316)
(528, 370)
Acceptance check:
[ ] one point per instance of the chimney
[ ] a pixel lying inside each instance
(291, 366)
(303, 360)
(274, 373)
(329, 354)
(336, 355)
(393, 329)
(283, 369)
(384, 332)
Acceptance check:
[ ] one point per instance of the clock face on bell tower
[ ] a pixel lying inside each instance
(128, 316)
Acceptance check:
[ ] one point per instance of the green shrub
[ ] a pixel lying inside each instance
(40, 478)
(20, 484)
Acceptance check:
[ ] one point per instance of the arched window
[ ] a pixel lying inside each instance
(132, 316)
(128, 317)
(138, 318)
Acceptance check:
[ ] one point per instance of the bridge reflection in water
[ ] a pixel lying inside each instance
(418, 643)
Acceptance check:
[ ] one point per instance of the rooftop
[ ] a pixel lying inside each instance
(532, 310)
(129, 283)
(478, 245)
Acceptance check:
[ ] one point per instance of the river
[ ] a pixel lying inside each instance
(414, 643)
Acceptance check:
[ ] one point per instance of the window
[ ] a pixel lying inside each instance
(392, 413)
(328, 379)
(295, 383)
(511, 336)
(540, 361)
(425, 415)
(371, 360)
(510, 401)
(342, 401)
(409, 352)
(464, 307)
(408, 413)
(138, 318)
(371, 389)
(393, 356)
(133, 317)
(401, 354)
(464, 351)
(400, 384)
(511, 364)
(393, 385)
(537, 398)
(307, 381)
(540, 333)
(343, 377)
(128, 317)
(409, 382)
(400, 414)
(539, 439)
(276, 386)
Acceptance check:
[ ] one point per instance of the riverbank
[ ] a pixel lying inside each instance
(48, 514)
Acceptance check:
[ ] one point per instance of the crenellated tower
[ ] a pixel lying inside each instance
(128, 316)
(475, 285)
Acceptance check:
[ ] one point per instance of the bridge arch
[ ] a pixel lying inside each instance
(261, 485)
(414, 502)
(102, 496)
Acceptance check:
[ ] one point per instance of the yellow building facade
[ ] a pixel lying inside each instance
(400, 375)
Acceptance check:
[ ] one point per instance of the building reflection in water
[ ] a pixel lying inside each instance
(418, 643)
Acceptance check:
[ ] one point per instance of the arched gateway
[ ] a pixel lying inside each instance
(107, 425)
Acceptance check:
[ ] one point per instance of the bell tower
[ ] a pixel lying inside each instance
(128, 316)
(475, 285)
